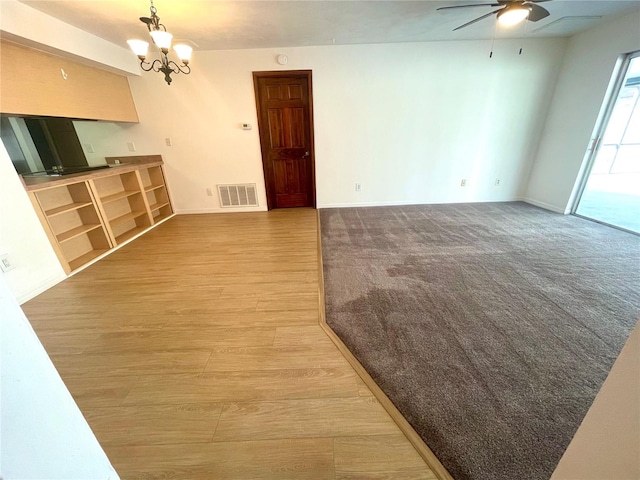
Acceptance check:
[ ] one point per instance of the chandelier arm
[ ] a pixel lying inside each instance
(186, 69)
(149, 66)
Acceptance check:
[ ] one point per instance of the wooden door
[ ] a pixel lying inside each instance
(285, 120)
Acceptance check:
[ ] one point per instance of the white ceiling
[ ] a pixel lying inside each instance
(216, 25)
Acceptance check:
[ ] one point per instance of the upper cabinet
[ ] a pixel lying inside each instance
(37, 83)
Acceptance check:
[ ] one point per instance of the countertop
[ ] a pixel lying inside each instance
(127, 164)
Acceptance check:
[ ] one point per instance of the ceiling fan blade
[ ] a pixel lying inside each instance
(537, 12)
(476, 20)
(474, 5)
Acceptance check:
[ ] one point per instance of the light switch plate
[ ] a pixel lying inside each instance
(5, 263)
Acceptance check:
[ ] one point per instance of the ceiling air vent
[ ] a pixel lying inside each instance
(242, 195)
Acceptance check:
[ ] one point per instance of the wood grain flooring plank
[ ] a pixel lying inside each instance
(72, 324)
(103, 391)
(131, 363)
(269, 289)
(299, 277)
(273, 358)
(58, 343)
(286, 302)
(243, 386)
(303, 418)
(415, 474)
(152, 424)
(308, 316)
(311, 335)
(168, 339)
(385, 454)
(294, 459)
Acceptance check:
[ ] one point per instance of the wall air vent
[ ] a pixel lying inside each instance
(241, 195)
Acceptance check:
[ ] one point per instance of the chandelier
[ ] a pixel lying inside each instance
(162, 39)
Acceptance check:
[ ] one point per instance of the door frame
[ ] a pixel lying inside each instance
(306, 74)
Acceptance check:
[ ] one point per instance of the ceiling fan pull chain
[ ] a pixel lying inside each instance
(493, 41)
(526, 26)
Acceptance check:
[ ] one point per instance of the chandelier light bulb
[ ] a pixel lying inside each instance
(162, 39)
(512, 16)
(184, 52)
(139, 47)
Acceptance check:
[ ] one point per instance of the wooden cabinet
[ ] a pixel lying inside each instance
(88, 215)
(74, 225)
(33, 83)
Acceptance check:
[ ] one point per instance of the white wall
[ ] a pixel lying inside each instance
(43, 435)
(22, 237)
(407, 121)
(589, 62)
(607, 444)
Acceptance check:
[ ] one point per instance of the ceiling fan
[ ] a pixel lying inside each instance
(511, 13)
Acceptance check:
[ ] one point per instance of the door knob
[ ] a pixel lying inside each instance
(306, 154)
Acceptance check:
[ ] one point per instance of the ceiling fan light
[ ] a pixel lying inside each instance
(184, 52)
(513, 15)
(162, 39)
(139, 47)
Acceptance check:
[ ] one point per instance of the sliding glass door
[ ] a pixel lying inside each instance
(611, 191)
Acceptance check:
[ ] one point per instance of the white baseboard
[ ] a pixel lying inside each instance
(546, 206)
(190, 211)
(400, 203)
(46, 284)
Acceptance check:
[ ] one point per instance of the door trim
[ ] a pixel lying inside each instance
(263, 147)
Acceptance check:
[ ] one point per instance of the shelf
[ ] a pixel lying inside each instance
(86, 258)
(151, 188)
(157, 206)
(66, 208)
(86, 217)
(129, 234)
(161, 217)
(119, 195)
(75, 232)
(127, 217)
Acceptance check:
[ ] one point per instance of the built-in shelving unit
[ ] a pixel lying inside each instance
(88, 215)
(156, 192)
(75, 228)
(121, 201)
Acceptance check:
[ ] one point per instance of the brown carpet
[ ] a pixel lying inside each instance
(490, 326)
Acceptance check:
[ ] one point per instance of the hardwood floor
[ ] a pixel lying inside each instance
(195, 352)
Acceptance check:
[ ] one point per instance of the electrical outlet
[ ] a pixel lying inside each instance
(209, 192)
(131, 146)
(168, 141)
(497, 182)
(463, 182)
(5, 263)
(358, 187)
